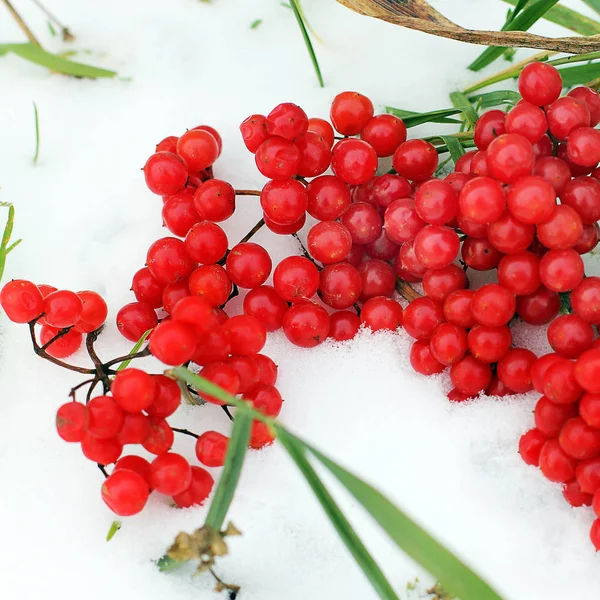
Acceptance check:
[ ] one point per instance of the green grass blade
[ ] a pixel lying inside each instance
(37, 134)
(236, 451)
(115, 526)
(595, 4)
(354, 544)
(460, 101)
(8, 228)
(491, 99)
(135, 349)
(522, 22)
(580, 74)
(454, 575)
(570, 19)
(256, 23)
(307, 41)
(39, 56)
(412, 119)
(454, 147)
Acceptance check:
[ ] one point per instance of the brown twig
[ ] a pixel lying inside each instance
(227, 411)
(120, 359)
(252, 232)
(66, 34)
(101, 369)
(94, 380)
(419, 15)
(24, 28)
(185, 432)
(406, 290)
(247, 193)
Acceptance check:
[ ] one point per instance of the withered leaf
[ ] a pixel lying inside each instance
(419, 15)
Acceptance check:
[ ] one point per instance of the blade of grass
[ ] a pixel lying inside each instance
(236, 451)
(570, 19)
(307, 41)
(136, 348)
(409, 536)
(595, 4)
(469, 116)
(454, 147)
(39, 56)
(256, 23)
(115, 526)
(580, 74)
(346, 532)
(522, 22)
(412, 119)
(37, 134)
(8, 229)
(454, 575)
(498, 98)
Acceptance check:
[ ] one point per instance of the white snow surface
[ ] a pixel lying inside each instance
(86, 220)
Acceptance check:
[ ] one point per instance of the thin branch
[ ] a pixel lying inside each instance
(185, 432)
(80, 385)
(252, 232)
(406, 290)
(66, 34)
(103, 469)
(247, 193)
(24, 28)
(140, 354)
(227, 411)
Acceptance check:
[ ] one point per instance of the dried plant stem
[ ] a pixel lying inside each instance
(24, 28)
(247, 193)
(66, 34)
(406, 290)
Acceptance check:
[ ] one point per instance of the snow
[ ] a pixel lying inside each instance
(86, 220)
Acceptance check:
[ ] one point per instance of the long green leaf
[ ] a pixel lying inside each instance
(358, 550)
(454, 147)
(136, 348)
(459, 100)
(522, 22)
(490, 99)
(412, 119)
(440, 562)
(236, 451)
(595, 4)
(579, 74)
(311, 51)
(569, 18)
(453, 574)
(39, 56)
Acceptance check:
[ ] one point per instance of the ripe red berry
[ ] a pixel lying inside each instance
(585, 300)
(168, 260)
(215, 200)
(196, 313)
(170, 474)
(350, 112)
(265, 398)
(381, 313)
(448, 343)
(169, 144)
(266, 305)
(354, 161)
(340, 285)
(147, 288)
(589, 409)
(555, 464)
(161, 436)
(64, 346)
(294, 227)
(583, 194)
(248, 265)
(457, 308)
(530, 446)
(322, 128)
(363, 222)
(588, 475)
(261, 435)
(562, 230)
(287, 121)
(439, 284)
(166, 397)
(510, 157)
(198, 148)
(343, 325)
(277, 158)
(21, 301)
(422, 317)
(211, 448)
(382, 248)
(247, 369)
(487, 128)
(328, 198)
(136, 428)
(71, 421)
(211, 283)
(173, 293)
(62, 308)
(479, 254)
(470, 376)
(179, 212)
(254, 131)
(553, 170)
(284, 201)
(329, 242)
(578, 440)
(137, 464)
(583, 146)
(527, 120)
(565, 115)
(246, 335)
(550, 417)
(570, 335)
(510, 236)
(514, 370)
(482, 200)
(416, 160)
(94, 312)
(377, 279)
(198, 491)
(423, 361)
(489, 344)
(401, 221)
(519, 273)
(165, 173)
(540, 83)
(267, 369)
(436, 246)
(573, 494)
(539, 368)
(590, 98)
(540, 307)
(436, 202)
(561, 384)
(133, 389)
(315, 154)
(384, 133)
(104, 452)
(214, 346)
(306, 324)
(173, 343)
(105, 417)
(125, 492)
(493, 305)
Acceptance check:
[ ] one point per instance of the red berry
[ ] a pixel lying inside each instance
(510, 236)
(561, 384)
(385, 133)
(448, 343)
(170, 474)
(147, 288)
(457, 308)
(206, 243)
(565, 115)
(550, 417)
(350, 112)
(382, 248)
(179, 212)
(573, 494)
(254, 131)
(554, 171)
(585, 300)
(260, 435)
(555, 464)
(294, 227)
(482, 200)
(363, 222)
(329, 242)
(265, 398)
(137, 464)
(530, 446)
(198, 148)
(343, 325)
(267, 369)
(246, 334)
(94, 312)
(104, 452)
(436, 202)
(136, 428)
(173, 342)
(306, 324)
(493, 305)
(354, 161)
(519, 273)
(169, 144)
(322, 128)
(277, 158)
(71, 421)
(489, 344)
(248, 265)
(470, 376)
(487, 128)
(561, 270)
(214, 346)
(514, 370)
(247, 369)
(587, 371)
(590, 98)
(266, 305)
(133, 389)
(211, 283)
(540, 307)
(422, 359)
(287, 121)
(105, 417)
(588, 475)
(583, 194)
(381, 313)
(479, 254)
(570, 335)
(439, 284)
(377, 279)
(198, 490)
(589, 409)
(562, 230)
(422, 317)
(168, 260)
(134, 319)
(166, 398)
(578, 440)
(583, 146)
(64, 346)
(328, 198)
(340, 285)
(401, 221)
(540, 83)
(527, 120)
(315, 154)
(416, 160)
(165, 173)
(196, 313)
(211, 448)
(161, 436)
(215, 200)
(62, 308)
(223, 375)
(284, 201)
(539, 368)
(125, 492)
(436, 246)
(510, 157)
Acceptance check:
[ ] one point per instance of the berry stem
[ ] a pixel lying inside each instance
(247, 193)
(252, 232)
(24, 28)
(227, 412)
(101, 369)
(140, 354)
(103, 469)
(43, 354)
(185, 432)
(406, 290)
(60, 334)
(305, 251)
(80, 385)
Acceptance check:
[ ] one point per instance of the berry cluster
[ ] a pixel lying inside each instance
(523, 207)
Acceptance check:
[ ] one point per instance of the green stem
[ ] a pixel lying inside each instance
(307, 41)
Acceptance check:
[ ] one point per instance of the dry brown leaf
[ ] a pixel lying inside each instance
(419, 15)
